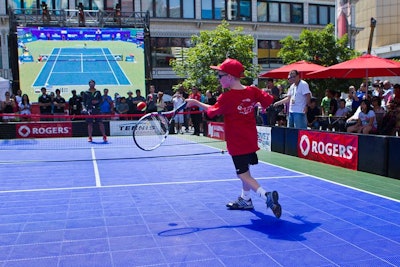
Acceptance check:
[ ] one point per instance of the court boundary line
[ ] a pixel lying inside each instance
(318, 178)
(95, 168)
(143, 184)
(109, 65)
(98, 181)
(332, 182)
(323, 179)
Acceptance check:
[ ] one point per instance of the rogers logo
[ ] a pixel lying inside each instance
(42, 130)
(24, 131)
(329, 149)
(304, 145)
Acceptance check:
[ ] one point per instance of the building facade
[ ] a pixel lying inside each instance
(173, 22)
(267, 21)
(386, 38)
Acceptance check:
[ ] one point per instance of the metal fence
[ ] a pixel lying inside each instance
(72, 17)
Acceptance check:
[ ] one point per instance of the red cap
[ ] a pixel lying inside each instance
(231, 66)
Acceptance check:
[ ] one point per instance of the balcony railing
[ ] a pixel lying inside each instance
(71, 18)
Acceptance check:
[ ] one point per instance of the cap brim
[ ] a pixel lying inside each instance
(216, 67)
(219, 68)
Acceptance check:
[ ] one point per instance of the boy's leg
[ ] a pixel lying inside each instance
(242, 163)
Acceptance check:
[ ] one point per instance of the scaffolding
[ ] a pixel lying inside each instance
(73, 18)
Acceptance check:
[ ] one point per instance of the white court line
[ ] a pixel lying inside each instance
(95, 168)
(323, 179)
(98, 181)
(144, 184)
(333, 182)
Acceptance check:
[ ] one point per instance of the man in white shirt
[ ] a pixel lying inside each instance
(298, 96)
(387, 92)
(177, 100)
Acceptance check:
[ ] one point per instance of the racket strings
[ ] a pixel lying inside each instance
(151, 131)
(160, 124)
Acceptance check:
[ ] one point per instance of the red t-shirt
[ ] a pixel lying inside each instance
(237, 106)
(196, 96)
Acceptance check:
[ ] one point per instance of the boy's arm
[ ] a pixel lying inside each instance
(212, 110)
(193, 102)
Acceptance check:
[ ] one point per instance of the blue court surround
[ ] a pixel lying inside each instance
(171, 212)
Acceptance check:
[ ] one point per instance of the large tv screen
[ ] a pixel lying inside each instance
(67, 58)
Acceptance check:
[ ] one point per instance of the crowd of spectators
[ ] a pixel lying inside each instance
(54, 107)
(374, 110)
(369, 111)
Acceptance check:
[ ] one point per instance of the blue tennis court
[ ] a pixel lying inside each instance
(76, 66)
(111, 204)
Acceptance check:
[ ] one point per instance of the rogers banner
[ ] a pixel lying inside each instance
(336, 149)
(44, 130)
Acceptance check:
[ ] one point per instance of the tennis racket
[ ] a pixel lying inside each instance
(152, 129)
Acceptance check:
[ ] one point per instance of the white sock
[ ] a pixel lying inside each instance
(261, 193)
(245, 195)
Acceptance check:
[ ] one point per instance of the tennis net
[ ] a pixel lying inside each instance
(81, 57)
(64, 133)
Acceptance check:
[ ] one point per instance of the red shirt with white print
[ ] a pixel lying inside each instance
(237, 106)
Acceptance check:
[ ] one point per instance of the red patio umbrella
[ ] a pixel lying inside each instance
(361, 67)
(303, 67)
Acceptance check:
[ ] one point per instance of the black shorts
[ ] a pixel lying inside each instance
(242, 162)
(94, 112)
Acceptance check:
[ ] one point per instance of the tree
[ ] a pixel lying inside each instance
(323, 48)
(212, 48)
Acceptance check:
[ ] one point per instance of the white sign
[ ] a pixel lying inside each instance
(264, 137)
(122, 128)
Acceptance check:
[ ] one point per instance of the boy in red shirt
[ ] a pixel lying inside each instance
(237, 106)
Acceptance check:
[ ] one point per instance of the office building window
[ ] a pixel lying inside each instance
(297, 13)
(312, 14)
(165, 49)
(160, 8)
(267, 51)
(283, 12)
(188, 9)
(169, 8)
(321, 14)
(175, 9)
(228, 10)
(262, 11)
(273, 12)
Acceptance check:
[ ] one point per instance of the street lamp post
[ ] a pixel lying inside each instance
(373, 24)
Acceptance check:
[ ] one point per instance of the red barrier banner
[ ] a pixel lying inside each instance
(216, 130)
(326, 147)
(44, 130)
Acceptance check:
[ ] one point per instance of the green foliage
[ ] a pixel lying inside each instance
(212, 48)
(323, 48)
